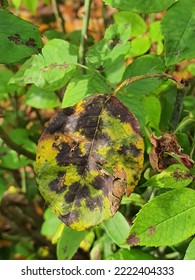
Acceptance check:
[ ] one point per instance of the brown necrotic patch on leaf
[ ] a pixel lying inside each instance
(151, 231)
(133, 239)
(98, 146)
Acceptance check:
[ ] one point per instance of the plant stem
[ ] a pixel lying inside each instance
(18, 148)
(58, 15)
(84, 32)
(181, 93)
(146, 76)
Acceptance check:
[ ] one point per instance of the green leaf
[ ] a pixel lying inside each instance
(133, 254)
(139, 46)
(19, 39)
(110, 52)
(31, 5)
(117, 228)
(165, 220)
(152, 108)
(50, 225)
(190, 252)
(11, 160)
(82, 86)
(138, 25)
(41, 99)
(21, 137)
(191, 68)
(140, 6)
(69, 243)
(5, 88)
(146, 64)
(179, 33)
(155, 31)
(17, 3)
(175, 176)
(54, 68)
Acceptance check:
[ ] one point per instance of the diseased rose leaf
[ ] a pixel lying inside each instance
(88, 156)
(166, 220)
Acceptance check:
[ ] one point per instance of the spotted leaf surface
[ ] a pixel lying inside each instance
(89, 156)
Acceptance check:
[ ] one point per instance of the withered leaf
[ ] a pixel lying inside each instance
(167, 151)
(89, 156)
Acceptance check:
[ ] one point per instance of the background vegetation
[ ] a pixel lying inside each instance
(74, 49)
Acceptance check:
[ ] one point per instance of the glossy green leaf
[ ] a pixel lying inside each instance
(139, 46)
(190, 252)
(138, 25)
(144, 65)
(11, 160)
(179, 33)
(52, 69)
(21, 137)
(69, 243)
(133, 254)
(140, 6)
(175, 176)
(155, 33)
(50, 225)
(19, 39)
(165, 220)
(82, 86)
(41, 99)
(152, 108)
(117, 228)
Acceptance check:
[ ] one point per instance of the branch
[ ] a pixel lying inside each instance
(58, 15)
(131, 80)
(18, 148)
(84, 31)
(181, 93)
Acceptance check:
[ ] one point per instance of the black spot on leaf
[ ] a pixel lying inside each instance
(57, 184)
(16, 39)
(94, 203)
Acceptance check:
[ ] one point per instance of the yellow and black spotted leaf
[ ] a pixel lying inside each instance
(88, 156)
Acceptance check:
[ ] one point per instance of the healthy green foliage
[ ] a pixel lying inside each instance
(69, 243)
(140, 6)
(179, 34)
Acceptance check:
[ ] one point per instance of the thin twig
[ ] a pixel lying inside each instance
(84, 32)
(146, 76)
(178, 106)
(18, 148)
(58, 15)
